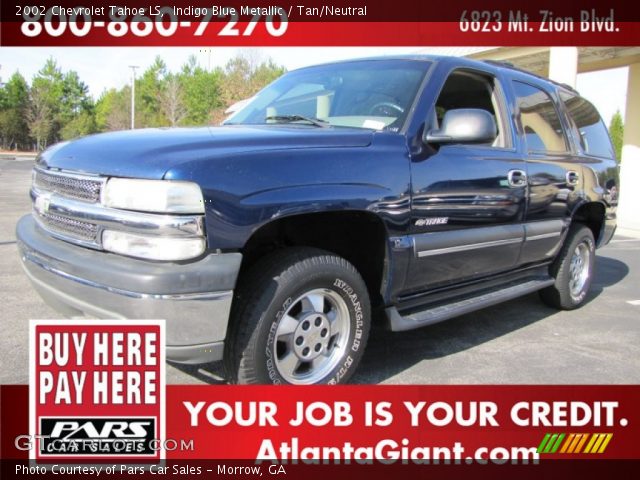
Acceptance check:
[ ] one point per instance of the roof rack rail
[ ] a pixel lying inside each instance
(500, 63)
(510, 65)
(567, 86)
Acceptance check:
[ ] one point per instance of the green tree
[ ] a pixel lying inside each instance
(148, 88)
(39, 116)
(75, 96)
(47, 90)
(76, 115)
(14, 103)
(61, 106)
(171, 99)
(616, 131)
(243, 77)
(265, 73)
(113, 110)
(201, 92)
(80, 125)
(58, 105)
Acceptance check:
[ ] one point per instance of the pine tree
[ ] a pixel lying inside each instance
(14, 131)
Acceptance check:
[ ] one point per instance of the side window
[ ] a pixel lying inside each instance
(539, 119)
(592, 134)
(464, 89)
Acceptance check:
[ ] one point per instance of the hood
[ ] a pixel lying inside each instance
(150, 153)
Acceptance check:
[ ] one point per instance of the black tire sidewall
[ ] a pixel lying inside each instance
(329, 276)
(564, 275)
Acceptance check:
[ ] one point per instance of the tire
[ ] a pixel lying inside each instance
(301, 316)
(573, 270)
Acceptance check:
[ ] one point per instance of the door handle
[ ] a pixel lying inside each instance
(517, 178)
(572, 177)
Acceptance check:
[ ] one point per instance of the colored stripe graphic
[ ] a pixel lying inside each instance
(574, 442)
(592, 440)
(567, 443)
(543, 443)
(602, 440)
(579, 437)
(581, 442)
(603, 447)
(550, 443)
(556, 445)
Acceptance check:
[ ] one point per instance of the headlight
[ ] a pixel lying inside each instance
(166, 196)
(152, 247)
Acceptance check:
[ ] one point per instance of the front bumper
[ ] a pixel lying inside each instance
(194, 298)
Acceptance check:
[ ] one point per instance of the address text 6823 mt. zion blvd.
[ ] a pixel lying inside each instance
(518, 21)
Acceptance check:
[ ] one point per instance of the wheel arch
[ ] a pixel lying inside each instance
(592, 215)
(360, 237)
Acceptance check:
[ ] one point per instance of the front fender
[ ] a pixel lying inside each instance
(244, 192)
(239, 218)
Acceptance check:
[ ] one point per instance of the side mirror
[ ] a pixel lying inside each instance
(464, 125)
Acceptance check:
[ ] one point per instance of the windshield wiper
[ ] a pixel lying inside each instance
(298, 118)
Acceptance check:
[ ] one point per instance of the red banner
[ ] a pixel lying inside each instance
(394, 424)
(259, 23)
(388, 34)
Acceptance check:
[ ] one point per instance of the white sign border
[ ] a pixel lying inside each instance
(112, 323)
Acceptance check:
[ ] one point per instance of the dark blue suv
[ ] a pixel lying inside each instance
(418, 187)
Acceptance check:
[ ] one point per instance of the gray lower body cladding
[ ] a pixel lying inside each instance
(194, 298)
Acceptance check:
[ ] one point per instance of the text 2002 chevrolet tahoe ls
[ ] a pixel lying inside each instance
(425, 187)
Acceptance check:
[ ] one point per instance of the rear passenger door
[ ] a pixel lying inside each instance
(554, 172)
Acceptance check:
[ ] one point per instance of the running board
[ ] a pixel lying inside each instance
(400, 323)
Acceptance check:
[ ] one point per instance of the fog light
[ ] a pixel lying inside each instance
(152, 247)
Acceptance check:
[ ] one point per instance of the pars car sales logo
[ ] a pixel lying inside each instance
(97, 390)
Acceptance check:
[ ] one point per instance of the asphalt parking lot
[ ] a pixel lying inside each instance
(519, 342)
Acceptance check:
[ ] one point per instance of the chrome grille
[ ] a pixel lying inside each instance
(68, 207)
(71, 186)
(68, 227)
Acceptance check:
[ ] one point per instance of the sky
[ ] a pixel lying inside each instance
(102, 68)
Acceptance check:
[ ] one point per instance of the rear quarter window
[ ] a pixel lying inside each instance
(592, 134)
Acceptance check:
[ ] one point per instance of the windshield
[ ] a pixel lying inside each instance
(374, 94)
